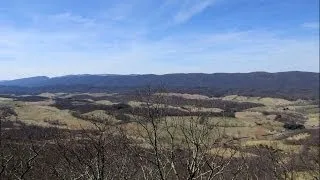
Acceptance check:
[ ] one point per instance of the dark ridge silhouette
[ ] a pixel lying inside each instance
(290, 85)
(31, 81)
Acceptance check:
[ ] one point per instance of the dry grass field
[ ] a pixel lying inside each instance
(265, 101)
(43, 114)
(251, 123)
(258, 127)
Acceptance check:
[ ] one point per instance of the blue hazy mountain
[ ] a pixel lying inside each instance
(255, 82)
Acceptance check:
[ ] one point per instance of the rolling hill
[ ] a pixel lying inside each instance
(283, 84)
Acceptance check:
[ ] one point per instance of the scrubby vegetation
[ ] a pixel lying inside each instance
(152, 136)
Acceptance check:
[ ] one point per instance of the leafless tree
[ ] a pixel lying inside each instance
(17, 158)
(5, 113)
(180, 147)
(99, 153)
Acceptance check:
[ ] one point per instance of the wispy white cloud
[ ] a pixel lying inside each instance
(311, 25)
(69, 50)
(67, 17)
(190, 9)
(115, 42)
(118, 12)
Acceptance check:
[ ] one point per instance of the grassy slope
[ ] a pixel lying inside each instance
(256, 127)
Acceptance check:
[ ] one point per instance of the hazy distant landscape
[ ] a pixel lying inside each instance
(159, 90)
(289, 85)
(175, 126)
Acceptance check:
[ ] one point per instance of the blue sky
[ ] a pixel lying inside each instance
(60, 37)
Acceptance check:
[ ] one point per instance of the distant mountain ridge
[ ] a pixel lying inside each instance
(233, 80)
(31, 81)
(293, 82)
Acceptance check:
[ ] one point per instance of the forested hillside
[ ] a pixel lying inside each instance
(290, 85)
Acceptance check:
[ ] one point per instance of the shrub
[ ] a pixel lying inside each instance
(293, 126)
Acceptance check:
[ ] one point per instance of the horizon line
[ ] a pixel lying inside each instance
(156, 74)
